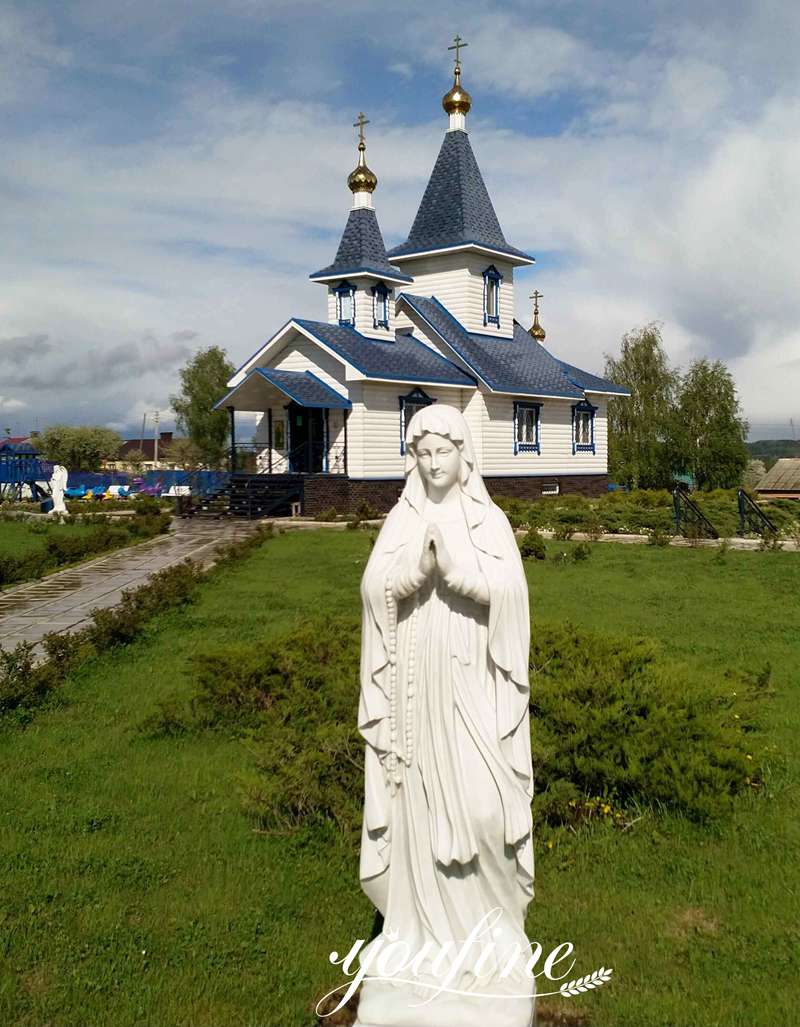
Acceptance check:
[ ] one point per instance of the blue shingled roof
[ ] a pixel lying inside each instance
(518, 365)
(361, 250)
(403, 358)
(456, 209)
(304, 387)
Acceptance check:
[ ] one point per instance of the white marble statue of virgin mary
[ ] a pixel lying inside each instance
(447, 833)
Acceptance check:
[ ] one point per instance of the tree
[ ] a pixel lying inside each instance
(753, 473)
(640, 426)
(135, 458)
(203, 381)
(184, 454)
(79, 448)
(710, 431)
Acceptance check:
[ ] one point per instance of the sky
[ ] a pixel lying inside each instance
(171, 172)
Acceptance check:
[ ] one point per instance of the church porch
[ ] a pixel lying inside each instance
(302, 426)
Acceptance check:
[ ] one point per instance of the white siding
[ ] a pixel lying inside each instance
(556, 457)
(374, 427)
(364, 309)
(456, 280)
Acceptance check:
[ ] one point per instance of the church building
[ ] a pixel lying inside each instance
(429, 321)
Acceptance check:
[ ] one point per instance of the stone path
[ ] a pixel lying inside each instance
(64, 601)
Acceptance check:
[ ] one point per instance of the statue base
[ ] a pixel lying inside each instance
(393, 1005)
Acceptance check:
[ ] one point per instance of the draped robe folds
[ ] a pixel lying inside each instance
(455, 840)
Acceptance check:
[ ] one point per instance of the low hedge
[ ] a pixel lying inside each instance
(614, 722)
(57, 549)
(26, 682)
(640, 512)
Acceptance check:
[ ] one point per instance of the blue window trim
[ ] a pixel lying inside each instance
(527, 447)
(491, 274)
(583, 407)
(417, 397)
(380, 298)
(345, 288)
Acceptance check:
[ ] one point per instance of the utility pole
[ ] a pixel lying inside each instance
(155, 439)
(141, 439)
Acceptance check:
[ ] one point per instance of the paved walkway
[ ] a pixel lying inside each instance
(64, 601)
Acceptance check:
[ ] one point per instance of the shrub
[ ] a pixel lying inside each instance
(327, 515)
(581, 552)
(613, 721)
(532, 547)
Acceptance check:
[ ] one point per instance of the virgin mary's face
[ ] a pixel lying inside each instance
(439, 461)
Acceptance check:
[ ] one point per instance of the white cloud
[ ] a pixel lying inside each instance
(668, 195)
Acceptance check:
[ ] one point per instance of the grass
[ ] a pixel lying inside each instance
(17, 538)
(136, 892)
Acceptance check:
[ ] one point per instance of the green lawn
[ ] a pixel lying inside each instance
(135, 892)
(17, 538)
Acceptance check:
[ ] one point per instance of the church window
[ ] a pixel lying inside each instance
(491, 295)
(380, 306)
(415, 400)
(583, 427)
(346, 303)
(526, 427)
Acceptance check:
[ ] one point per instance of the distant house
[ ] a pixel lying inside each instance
(153, 461)
(782, 480)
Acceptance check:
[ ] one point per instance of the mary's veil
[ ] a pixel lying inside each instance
(450, 423)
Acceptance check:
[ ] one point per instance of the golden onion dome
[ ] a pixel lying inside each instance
(537, 331)
(361, 179)
(457, 100)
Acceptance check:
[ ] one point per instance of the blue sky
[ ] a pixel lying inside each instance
(171, 172)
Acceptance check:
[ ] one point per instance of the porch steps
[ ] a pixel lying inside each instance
(263, 495)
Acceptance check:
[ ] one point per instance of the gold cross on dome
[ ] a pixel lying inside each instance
(536, 296)
(458, 46)
(359, 123)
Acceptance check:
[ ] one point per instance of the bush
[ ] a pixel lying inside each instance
(613, 719)
(58, 547)
(327, 515)
(581, 552)
(532, 547)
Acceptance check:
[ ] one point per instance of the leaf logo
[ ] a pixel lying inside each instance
(582, 984)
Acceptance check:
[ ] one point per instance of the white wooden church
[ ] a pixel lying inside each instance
(430, 321)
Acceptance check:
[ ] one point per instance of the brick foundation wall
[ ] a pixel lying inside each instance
(345, 494)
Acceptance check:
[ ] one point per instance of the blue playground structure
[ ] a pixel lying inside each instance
(22, 474)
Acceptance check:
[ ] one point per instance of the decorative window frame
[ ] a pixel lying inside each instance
(380, 301)
(340, 291)
(527, 447)
(491, 274)
(584, 407)
(417, 398)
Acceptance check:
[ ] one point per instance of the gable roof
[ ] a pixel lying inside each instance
(456, 209)
(783, 476)
(304, 387)
(361, 250)
(520, 365)
(402, 358)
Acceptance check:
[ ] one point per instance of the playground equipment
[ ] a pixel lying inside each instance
(22, 474)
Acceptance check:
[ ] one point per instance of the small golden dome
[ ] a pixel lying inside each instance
(536, 329)
(361, 179)
(457, 100)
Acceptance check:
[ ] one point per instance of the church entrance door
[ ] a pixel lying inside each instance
(306, 439)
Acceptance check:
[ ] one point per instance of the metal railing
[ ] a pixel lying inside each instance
(752, 517)
(690, 521)
(306, 458)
